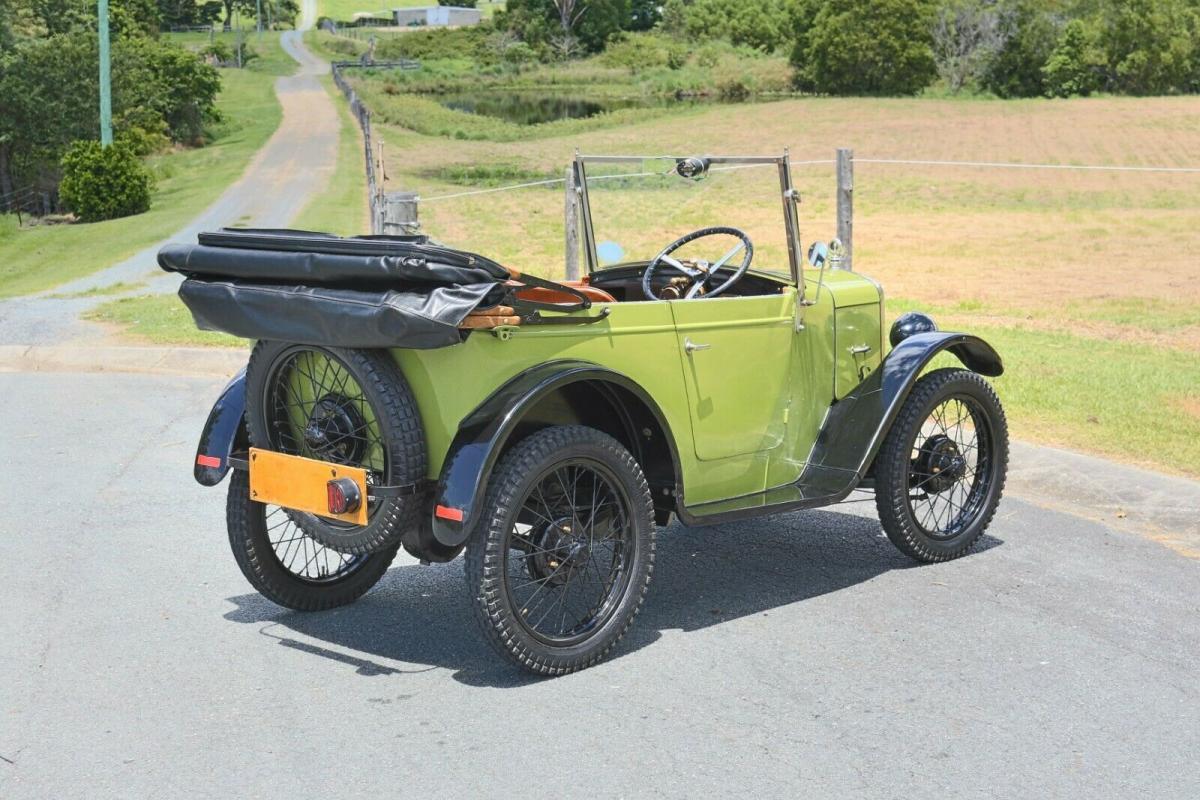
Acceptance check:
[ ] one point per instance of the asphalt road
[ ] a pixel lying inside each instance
(793, 656)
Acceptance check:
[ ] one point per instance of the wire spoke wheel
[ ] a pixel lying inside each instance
(949, 468)
(566, 563)
(303, 556)
(316, 409)
(940, 472)
(560, 561)
(347, 407)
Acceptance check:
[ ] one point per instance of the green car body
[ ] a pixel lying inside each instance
(751, 403)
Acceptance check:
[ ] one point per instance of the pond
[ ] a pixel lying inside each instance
(528, 108)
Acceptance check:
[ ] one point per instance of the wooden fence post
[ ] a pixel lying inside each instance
(571, 226)
(845, 204)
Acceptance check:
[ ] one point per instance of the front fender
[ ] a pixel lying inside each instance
(223, 433)
(482, 436)
(855, 426)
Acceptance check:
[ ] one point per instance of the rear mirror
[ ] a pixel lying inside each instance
(818, 254)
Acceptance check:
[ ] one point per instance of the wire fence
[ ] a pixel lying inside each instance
(885, 161)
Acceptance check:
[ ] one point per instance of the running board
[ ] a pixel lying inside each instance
(817, 486)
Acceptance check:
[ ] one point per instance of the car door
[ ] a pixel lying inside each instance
(736, 354)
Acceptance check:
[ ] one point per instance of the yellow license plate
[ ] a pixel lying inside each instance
(300, 484)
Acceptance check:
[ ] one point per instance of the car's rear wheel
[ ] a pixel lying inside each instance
(940, 472)
(561, 560)
(350, 407)
(285, 564)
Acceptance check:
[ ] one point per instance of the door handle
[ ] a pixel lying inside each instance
(690, 347)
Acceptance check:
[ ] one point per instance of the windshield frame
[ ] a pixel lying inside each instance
(789, 196)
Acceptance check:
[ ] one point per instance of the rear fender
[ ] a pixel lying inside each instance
(484, 433)
(224, 433)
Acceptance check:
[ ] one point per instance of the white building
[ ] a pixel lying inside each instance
(440, 16)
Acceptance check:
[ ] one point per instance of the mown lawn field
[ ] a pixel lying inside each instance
(187, 180)
(1086, 280)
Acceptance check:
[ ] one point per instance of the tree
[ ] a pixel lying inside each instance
(1076, 65)
(865, 47)
(50, 92)
(565, 25)
(761, 24)
(1030, 30)
(1149, 46)
(967, 35)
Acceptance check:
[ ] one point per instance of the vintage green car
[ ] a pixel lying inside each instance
(404, 394)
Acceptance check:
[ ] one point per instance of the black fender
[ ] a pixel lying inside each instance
(483, 433)
(224, 433)
(855, 427)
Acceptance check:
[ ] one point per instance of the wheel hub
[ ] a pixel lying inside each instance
(334, 430)
(561, 552)
(939, 465)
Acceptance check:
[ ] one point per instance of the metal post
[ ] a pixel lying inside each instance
(571, 226)
(845, 204)
(258, 12)
(105, 78)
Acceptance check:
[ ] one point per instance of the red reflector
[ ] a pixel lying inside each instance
(342, 496)
(208, 461)
(445, 512)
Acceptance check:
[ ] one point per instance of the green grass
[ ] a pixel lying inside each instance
(104, 291)
(159, 319)
(41, 257)
(271, 59)
(342, 207)
(1129, 401)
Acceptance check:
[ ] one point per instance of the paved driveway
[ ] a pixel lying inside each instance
(795, 656)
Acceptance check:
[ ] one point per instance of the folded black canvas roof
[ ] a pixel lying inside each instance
(316, 288)
(321, 258)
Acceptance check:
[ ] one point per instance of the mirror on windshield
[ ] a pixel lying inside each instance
(609, 253)
(818, 254)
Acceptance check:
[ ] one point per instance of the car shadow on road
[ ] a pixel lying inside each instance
(703, 577)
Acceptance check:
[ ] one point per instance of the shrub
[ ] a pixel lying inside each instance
(864, 47)
(637, 53)
(761, 24)
(1074, 66)
(101, 183)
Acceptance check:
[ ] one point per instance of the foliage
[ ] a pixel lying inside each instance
(50, 89)
(1149, 46)
(562, 27)
(866, 47)
(761, 24)
(1075, 66)
(1029, 31)
(967, 37)
(101, 183)
(639, 52)
(438, 43)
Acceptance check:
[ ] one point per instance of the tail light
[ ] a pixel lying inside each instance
(343, 495)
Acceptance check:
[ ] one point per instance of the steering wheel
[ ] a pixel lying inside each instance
(701, 273)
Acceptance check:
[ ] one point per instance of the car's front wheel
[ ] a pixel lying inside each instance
(561, 559)
(940, 472)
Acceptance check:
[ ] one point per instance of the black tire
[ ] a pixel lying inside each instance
(594, 465)
(365, 384)
(925, 465)
(285, 565)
